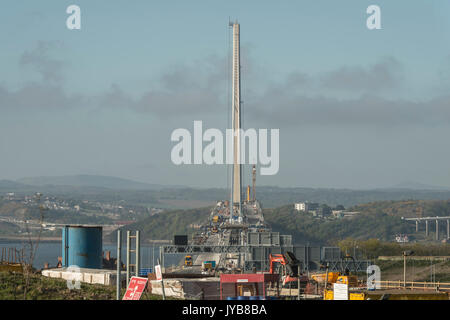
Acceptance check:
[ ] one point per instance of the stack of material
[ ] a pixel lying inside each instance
(92, 276)
(190, 289)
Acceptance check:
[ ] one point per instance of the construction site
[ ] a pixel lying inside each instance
(235, 255)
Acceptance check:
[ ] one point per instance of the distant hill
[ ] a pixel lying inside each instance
(90, 181)
(7, 228)
(272, 197)
(413, 185)
(9, 184)
(407, 208)
(107, 189)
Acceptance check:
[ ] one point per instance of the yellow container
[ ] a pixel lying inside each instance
(357, 296)
(329, 295)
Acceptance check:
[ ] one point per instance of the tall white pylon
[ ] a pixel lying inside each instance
(236, 120)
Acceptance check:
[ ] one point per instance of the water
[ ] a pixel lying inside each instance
(50, 251)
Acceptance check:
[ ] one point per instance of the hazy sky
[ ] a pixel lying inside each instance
(356, 108)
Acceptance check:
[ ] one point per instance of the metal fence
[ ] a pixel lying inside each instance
(414, 285)
(260, 246)
(11, 255)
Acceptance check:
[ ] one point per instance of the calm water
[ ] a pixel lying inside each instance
(50, 251)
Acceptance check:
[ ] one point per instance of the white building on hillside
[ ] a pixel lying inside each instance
(306, 206)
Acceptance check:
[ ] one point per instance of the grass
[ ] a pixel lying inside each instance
(389, 264)
(439, 277)
(417, 270)
(12, 287)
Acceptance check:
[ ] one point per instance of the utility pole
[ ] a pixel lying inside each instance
(405, 254)
(138, 253)
(326, 281)
(119, 247)
(128, 257)
(404, 270)
(298, 281)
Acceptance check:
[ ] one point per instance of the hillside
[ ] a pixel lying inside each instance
(408, 208)
(378, 220)
(305, 228)
(89, 181)
(273, 197)
(101, 188)
(7, 228)
(165, 225)
(381, 220)
(43, 288)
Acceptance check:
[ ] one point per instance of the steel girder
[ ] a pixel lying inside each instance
(193, 249)
(356, 266)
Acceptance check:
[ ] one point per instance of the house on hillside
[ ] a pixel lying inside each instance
(306, 206)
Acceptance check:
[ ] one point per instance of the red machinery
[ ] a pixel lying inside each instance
(290, 269)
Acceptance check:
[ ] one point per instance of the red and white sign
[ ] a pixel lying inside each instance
(135, 288)
(158, 272)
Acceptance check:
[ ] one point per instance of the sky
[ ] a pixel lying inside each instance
(356, 108)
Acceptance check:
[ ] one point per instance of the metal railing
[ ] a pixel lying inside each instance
(11, 256)
(414, 285)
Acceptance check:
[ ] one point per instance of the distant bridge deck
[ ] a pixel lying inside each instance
(427, 218)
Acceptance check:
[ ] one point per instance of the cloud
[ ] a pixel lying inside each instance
(200, 89)
(39, 59)
(285, 110)
(46, 94)
(444, 74)
(37, 96)
(181, 90)
(385, 74)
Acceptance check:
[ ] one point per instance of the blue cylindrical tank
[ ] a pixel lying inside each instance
(82, 247)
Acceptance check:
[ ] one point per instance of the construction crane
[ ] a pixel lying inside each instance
(254, 182)
(290, 269)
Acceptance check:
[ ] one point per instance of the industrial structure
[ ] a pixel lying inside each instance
(83, 259)
(236, 236)
(236, 199)
(235, 242)
(417, 220)
(82, 246)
